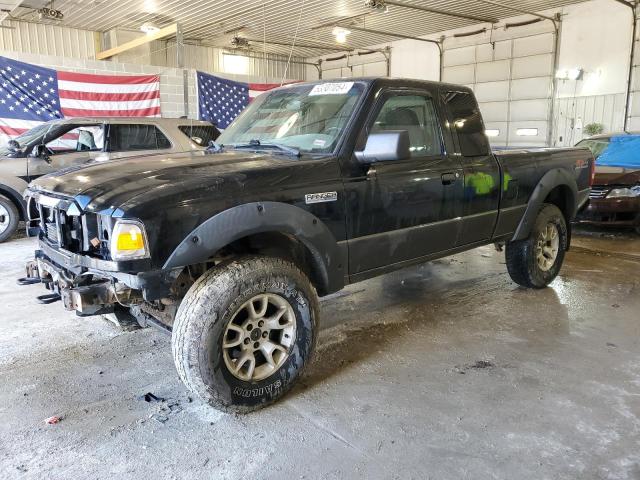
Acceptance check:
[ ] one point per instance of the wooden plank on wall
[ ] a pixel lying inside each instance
(169, 31)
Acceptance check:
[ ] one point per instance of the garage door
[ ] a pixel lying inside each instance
(513, 81)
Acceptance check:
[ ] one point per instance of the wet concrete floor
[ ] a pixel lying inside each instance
(443, 371)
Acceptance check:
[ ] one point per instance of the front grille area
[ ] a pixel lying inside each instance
(64, 225)
(51, 232)
(598, 191)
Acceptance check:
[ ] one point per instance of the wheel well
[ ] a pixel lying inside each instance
(282, 245)
(562, 197)
(11, 195)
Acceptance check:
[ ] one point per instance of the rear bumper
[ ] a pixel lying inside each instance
(623, 212)
(93, 291)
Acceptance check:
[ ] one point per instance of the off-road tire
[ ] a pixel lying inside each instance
(520, 255)
(14, 218)
(210, 305)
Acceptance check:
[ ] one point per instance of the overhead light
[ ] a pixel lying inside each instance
(570, 74)
(340, 34)
(492, 132)
(149, 28)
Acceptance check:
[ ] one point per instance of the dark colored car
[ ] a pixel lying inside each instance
(317, 185)
(615, 194)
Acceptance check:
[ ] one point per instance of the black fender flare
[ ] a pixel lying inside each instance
(552, 179)
(16, 198)
(262, 217)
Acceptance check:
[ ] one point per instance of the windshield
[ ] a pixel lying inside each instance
(309, 118)
(28, 139)
(596, 145)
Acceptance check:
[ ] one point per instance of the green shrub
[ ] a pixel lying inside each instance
(593, 129)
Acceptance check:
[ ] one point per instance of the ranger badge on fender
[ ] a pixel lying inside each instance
(320, 197)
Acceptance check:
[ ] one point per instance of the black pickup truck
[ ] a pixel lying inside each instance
(315, 186)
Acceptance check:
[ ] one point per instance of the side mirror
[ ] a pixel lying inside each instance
(385, 146)
(41, 151)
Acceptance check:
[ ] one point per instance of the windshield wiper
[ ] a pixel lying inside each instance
(258, 144)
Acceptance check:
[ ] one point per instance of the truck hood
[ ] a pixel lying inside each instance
(109, 185)
(616, 176)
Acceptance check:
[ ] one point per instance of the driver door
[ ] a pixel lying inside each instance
(75, 146)
(402, 210)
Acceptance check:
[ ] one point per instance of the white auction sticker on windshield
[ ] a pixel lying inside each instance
(339, 88)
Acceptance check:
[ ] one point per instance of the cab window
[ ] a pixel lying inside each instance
(129, 137)
(415, 114)
(87, 138)
(467, 123)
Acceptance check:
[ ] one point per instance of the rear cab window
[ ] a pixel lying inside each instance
(466, 120)
(131, 137)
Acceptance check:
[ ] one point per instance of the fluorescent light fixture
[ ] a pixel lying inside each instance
(492, 132)
(570, 74)
(149, 28)
(527, 132)
(340, 34)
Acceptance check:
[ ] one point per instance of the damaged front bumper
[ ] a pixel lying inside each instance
(87, 290)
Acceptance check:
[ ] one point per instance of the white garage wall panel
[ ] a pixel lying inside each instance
(573, 114)
(47, 40)
(374, 65)
(212, 59)
(513, 81)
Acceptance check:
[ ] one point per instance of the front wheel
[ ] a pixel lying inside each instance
(9, 218)
(536, 261)
(244, 332)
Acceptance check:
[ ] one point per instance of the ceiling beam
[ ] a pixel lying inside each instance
(441, 12)
(302, 45)
(169, 31)
(388, 34)
(516, 9)
(625, 3)
(333, 23)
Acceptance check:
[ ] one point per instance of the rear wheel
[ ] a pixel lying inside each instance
(9, 218)
(244, 332)
(536, 261)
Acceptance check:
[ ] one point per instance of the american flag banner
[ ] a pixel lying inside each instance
(221, 100)
(31, 94)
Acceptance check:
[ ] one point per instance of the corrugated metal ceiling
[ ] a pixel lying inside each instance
(213, 21)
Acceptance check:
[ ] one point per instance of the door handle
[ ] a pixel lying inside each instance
(449, 178)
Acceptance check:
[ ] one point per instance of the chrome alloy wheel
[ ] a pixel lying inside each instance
(257, 340)
(4, 219)
(547, 247)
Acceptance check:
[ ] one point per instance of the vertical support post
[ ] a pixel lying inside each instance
(627, 105)
(551, 134)
(319, 69)
(441, 50)
(387, 57)
(185, 72)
